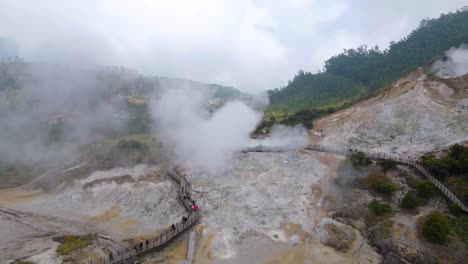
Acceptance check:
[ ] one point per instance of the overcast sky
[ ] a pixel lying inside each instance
(252, 45)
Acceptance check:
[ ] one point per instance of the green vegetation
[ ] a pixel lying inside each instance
(22, 262)
(381, 230)
(410, 202)
(388, 165)
(360, 159)
(266, 125)
(56, 133)
(304, 117)
(452, 169)
(125, 151)
(383, 185)
(356, 73)
(139, 118)
(308, 90)
(455, 163)
(459, 226)
(425, 189)
(435, 228)
(379, 208)
(69, 243)
(13, 175)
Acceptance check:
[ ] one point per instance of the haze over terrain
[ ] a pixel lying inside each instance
(234, 132)
(252, 45)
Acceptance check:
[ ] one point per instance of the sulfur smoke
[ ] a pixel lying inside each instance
(53, 103)
(284, 137)
(197, 137)
(454, 63)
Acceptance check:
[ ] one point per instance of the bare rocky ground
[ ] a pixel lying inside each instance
(268, 208)
(121, 203)
(396, 237)
(265, 208)
(416, 114)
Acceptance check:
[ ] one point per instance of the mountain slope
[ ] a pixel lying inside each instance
(415, 115)
(357, 71)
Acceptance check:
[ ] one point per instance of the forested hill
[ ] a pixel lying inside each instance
(357, 72)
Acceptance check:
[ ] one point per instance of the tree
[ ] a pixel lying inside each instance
(363, 70)
(388, 164)
(435, 228)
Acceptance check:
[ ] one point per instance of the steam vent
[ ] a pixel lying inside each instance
(233, 132)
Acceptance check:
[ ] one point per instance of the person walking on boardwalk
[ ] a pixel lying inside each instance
(173, 227)
(141, 245)
(147, 243)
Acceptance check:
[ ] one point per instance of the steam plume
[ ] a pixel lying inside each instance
(196, 137)
(454, 64)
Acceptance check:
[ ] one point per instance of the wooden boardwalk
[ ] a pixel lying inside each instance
(131, 256)
(410, 161)
(127, 256)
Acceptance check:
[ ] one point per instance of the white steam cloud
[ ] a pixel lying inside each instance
(198, 138)
(454, 64)
(284, 137)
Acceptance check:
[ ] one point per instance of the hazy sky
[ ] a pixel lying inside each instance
(252, 45)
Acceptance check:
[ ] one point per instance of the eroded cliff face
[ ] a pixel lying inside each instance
(416, 114)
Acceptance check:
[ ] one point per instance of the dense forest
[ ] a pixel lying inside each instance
(357, 72)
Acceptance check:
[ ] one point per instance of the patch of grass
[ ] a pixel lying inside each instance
(22, 262)
(459, 185)
(69, 243)
(379, 208)
(383, 185)
(388, 165)
(381, 230)
(13, 175)
(125, 151)
(459, 227)
(359, 159)
(425, 189)
(410, 202)
(379, 183)
(435, 228)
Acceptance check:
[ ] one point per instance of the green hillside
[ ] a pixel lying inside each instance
(355, 73)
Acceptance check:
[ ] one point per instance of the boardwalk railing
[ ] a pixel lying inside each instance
(412, 161)
(126, 255)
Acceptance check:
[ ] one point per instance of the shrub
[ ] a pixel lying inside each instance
(383, 185)
(455, 163)
(454, 209)
(410, 202)
(70, 243)
(388, 165)
(459, 227)
(436, 166)
(435, 228)
(425, 189)
(360, 159)
(379, 208)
